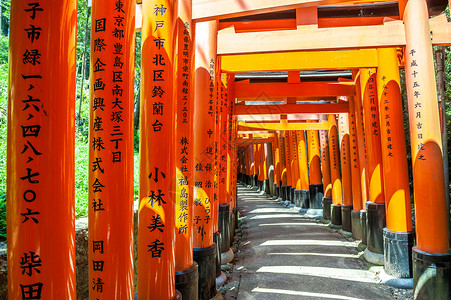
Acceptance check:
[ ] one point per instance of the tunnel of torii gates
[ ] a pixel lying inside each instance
(230, 90)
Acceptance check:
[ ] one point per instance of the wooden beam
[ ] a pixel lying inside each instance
(276, 117)
(204, 10)
(254, 140)
(391, 34)
(307, 60)
(324, 125)
(245, 90)
(327, 108)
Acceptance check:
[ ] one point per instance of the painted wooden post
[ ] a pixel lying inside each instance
(204, 144)
(337, 200)
(40, 165)
(283, 167)
(157, 192)
(428, 179)
(288, 165)
(314, 158)
(361, 141)
(186, 270)
(375, 205)
(325, 168)
(345, 160)
(398, 236)
(303, 167)
(295, 176)
(357, 206)
(111, 159)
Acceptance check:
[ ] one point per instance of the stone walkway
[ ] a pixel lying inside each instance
(285, 255)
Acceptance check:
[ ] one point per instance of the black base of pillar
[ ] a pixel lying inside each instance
(431, 275)
(233, 224)
(335, 214)
(315, 195)
(398, 253)
(266, 187)
(288, 193)
(305, 198)
(224, 226)
(327, 202)
(276, 190)
(292, 194)
(375, 219)
(187, 281)
(217, 241)
(297, 198)
(249, 179)
(206, 260)
(356, 225)
(346, 222)
(283, 193)
(363, 224)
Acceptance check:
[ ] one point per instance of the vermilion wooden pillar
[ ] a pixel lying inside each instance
(186, 270)
(111, 153)
(325, 170)
(40, 164)
(428, 180)
(288, 161)
(295, 178)
(357, 206)
(337, 200)
(303, 168)
(375, 206)
(361, 141)
(156, 243)
(205, 252)
(314, 158)
(345, 159)
(283, 169)
(398, 236)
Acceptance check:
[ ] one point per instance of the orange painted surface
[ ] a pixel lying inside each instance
(295, 179)
(223, 140)
(428, 178)
(156, 243)
(357, 204)
(288, 158)
(345, 158)
(361, 139)
(265, 161)
(355, 21)
(184, 56)
(396, 177)
(372, 134)
(325, 160)
(302, 160)
(283, 168)
(231, 152)
(314, 157)
(40, 164)
(334, 163)
(204, 137)
(216, 96)
(111, 220)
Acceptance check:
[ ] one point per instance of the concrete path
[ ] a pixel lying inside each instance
(284, 255)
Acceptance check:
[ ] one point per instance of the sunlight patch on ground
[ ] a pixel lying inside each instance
(292, 224)
(269, 210)
(305, 294)
(306, 243)
(316, 254)
(334, 273)
(275, 216)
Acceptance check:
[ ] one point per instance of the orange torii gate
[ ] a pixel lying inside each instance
(42, 135)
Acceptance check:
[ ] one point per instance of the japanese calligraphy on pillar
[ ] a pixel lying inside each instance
(111, 142)
(333, 144)
(353, 134)
(184, 130)
(385, 117)
(418, 106)
(372, 96)
(32, 102)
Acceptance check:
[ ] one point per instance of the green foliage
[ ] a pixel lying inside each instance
(2, 215)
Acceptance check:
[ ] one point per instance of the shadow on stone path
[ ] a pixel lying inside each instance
(285, 255)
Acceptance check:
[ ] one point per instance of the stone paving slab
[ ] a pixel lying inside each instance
(285, 255)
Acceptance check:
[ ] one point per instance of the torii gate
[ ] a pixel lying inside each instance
(180, 196)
